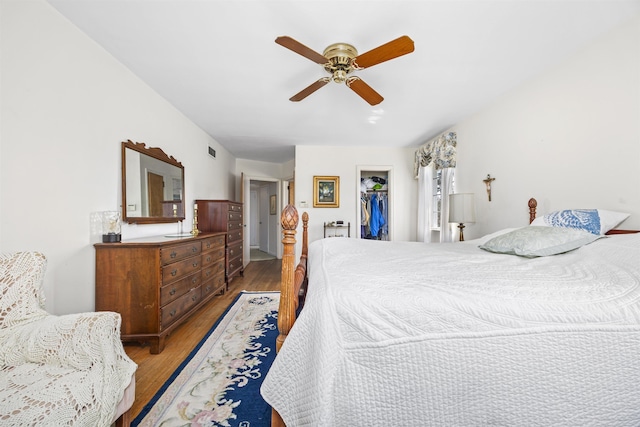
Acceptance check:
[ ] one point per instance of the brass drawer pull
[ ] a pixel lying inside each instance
(173, 313)
(194, 249)
(194, 298)
(194, 280)
(173, 291)
(195, 264)
(174, 272)
(209, 258)
(174, 254)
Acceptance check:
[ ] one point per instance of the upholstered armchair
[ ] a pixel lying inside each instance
(57, 370)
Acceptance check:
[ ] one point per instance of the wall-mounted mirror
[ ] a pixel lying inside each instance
(152, 185)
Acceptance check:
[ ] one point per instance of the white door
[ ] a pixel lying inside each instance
(254, 228)
(264, 218)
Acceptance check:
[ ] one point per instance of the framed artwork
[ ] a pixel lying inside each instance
(326, 191)
(272, 204)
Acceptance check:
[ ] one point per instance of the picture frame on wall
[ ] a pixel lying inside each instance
(326, 191)
(272, 204)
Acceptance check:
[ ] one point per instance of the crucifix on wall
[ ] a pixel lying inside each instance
(488, 181)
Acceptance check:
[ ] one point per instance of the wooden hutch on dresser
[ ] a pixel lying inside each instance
(156, 283)
(225, 216)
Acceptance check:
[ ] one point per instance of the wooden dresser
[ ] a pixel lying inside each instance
(225, 216)
(155, 283)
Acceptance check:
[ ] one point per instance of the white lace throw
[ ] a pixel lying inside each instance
(55, 370)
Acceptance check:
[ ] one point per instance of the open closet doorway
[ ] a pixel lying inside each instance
(262, 218)
(375, 194)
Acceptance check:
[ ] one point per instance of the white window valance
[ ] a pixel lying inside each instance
(440, 150)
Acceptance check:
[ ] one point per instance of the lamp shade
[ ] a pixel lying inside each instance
(462, 208)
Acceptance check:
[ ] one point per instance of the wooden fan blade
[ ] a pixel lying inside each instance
(301, 49)
(309, 89)
(365, 91)
(393, 49)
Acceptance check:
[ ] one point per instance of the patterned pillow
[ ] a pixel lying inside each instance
(539, 241)
(595, 221)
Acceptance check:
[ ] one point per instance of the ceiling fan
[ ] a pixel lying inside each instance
(340, 59)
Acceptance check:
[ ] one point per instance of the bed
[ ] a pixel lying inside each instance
(407, 333)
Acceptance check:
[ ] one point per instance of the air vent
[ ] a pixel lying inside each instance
(212, 152)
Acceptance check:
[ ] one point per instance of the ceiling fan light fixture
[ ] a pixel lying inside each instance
(340, 56)
(339, 76)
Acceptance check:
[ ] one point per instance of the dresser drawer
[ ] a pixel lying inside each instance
(234, 226)
(235, 264)
(235, 216)
(235, 249)
(216, 268)
(234, 236)
(209, 258)
(174, 253)
(235, 207)
(174, 310)
(215, 285)
(175, 290)
(213, 243)
(179, 269)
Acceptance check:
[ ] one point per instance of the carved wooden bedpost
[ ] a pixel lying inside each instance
(533, 204)
(288, 298)
(305, 238)
(288, 295)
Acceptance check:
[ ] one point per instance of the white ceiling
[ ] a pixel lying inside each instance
(217, 62)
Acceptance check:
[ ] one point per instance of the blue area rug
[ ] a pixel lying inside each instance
(219, 382)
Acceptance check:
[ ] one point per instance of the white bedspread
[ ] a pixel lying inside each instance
(399, 333)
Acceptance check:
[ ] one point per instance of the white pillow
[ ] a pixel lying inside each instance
(595, 221)
(539, 241)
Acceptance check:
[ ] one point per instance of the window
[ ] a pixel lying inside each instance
(436, 205)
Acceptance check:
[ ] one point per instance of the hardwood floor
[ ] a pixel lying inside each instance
(155, 369)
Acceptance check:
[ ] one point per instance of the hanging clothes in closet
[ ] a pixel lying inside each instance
(374, 213)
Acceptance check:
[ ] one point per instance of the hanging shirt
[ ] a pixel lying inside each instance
(385, 215)
(377, 220)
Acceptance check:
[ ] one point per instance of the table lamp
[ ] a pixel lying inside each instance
(462, 210)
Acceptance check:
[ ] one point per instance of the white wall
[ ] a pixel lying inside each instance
(570, 138)
(314, 160)
(66, 104)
